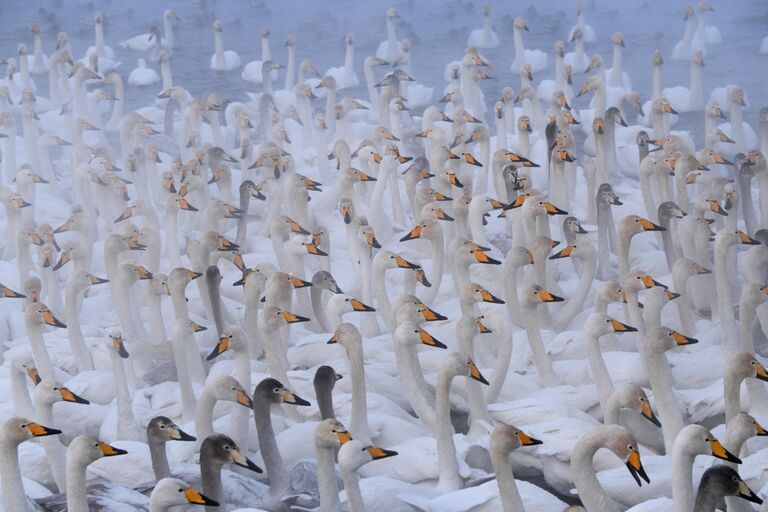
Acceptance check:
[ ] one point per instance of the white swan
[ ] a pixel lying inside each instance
(223, 60)
(484, 37)
(143, 75)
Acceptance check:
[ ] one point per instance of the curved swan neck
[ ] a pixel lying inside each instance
(270, 452)
(449, 479)
(510, 497)
(592, 495)
(10, 477)
(159, 458)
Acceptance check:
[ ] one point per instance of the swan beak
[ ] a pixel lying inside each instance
(110, 451)
(299, 283)
(621, 327)
(648, 413)
(681, 339)
(119, 346)
(746, 493)
(719, 451)
(635, 467)
(196, 327)
(243, 399)
(487, 296)
(193, 275)
(10, 294)
(760, 372)
(481, 327)
(69, 396)
(221, 346)
(565, 156)
(64, 227)
(421, 277)
(615, 201)
(454, 180)
(292, 318)
(430, 315)
(670, 294)
(471, 160)
(730, 198)
(239, 262)
(424, 134)
(650, 282)
(244, 462)
(546, 296)
(715, 207)
(650, 226)
(343, 436)
(364, 177)
(403, 263)
(184, 205)
(482, 257)
(291, 398)
(296, 228)
(441, 215)
(527, 440)
(746, 239)
(359, 306)
(428, 339)
(380, 453)
(370, 239)
(701, 270)
(38, 430)
(759, 430)
(517, 203)
(564, 253)
(143, 272)
(452, 155)
(127, 214)
(21, 203)
(194, 497)
(726, 139)
(475, 374)
(553, 210)
(346, 214)
(313, 249)
(412, 234)
(51, 320)
(669, 110)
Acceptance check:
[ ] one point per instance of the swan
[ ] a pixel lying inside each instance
(143, 75)
(144, 42)
(718, 482)
(14, 432)
(39, 61)
(691, 99)
(172, 492)
(345, 75)
(578, 61)
(484, 37)
(536, 58)
(223, 60)
(160, 430)
(352, 455)
(390, 49)
(216, 451)
(252, 72)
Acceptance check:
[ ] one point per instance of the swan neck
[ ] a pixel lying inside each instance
(10, 477)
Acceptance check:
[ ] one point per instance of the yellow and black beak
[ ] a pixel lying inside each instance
(10, 294)
(670, 294)
(359, 306)
(546, 296)
(421, 277)
(196, 327)
(759, 430)
(143, 272)
(527, 440)
(184, 205)
(51, 320)
(650, 226)
(553, 210)
(296, 227)
(715, 207)
(293, 399)
(243, 399)
(38, 430)
(650, 282)
(681, 339)
(241, 460)
(299, 283)
(746, 239)
(380, 453)
(34, 376)
(370, 239)
(565, 156)
(648, 414)
(428, 339)
(221, 346)
(343, 436)
(635, 467)
(96, 279)
(719, 451)
(412, 234)
(517, 203)
(441, 215)
(127, 214)
(471, 160)
(119, 346)
(746, 493)
(315, 250)
(292, 318)
(430, 315)
(69, 396)
(482, 257)
(621, 327)
(194, 497)
(563, 253)
(481, 327)
(403, 263)
(760, 372)
(110, 451)
(487, 296)
(474, 373)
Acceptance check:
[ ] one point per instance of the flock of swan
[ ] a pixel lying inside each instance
(418, 300)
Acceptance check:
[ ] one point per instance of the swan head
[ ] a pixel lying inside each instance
(347, 335)
(577, 34)
(98, 17)
(698, 58)
(225, 387)
(62, 39)
(623, 444)
(21, 49)
(486, 10)
(35, 29)
(48, 391)
(658, 58)
(737, 97)
(274, 318)
(705, 6)
(217, 26)
(593, 83)
(688, 12)
(458, 364)
(595, 62)
(662, 339)
(535, 294)
(387, 259)
(331, 434)
(473, 293)
(698, 440)
(23, 363)
(520, 24)
(506, 438)
(354, 454)
(341, 303)
(219, 449)
(392, 13)
(600, 324)
(86, 449)
(527, 71)
(670, 210)
(17, 430)
(170, 492)
(170, 14)
(745, 365)
(272, 391)
(618, 39)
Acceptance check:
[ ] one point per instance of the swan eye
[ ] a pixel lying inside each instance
(276, 390)
(226, 447)
(162, 427)
(416, 332)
